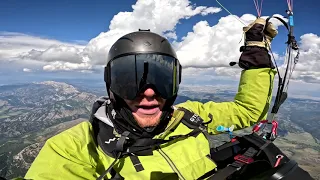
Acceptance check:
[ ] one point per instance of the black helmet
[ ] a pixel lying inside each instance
(139, 60)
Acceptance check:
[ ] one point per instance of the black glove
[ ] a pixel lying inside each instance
(257, 44)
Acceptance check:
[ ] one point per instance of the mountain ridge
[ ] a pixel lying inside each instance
(32, 113)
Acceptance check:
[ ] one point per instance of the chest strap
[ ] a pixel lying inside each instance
(145, 146)
(240, 161)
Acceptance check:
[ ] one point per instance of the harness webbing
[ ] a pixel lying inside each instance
(143, 147)
(240, 161)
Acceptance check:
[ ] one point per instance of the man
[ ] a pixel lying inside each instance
(142, 78)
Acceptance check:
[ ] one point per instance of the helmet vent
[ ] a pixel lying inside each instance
(144, 30)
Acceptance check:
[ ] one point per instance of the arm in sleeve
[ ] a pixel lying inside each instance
(65, 156)
(250, 105)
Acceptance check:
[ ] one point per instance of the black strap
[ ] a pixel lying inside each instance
(136, 163)
(250, 152)
(194, 121)
(101, 177)
(190, 119)
(143, 147)
(240, 161)
(122, 140)
(115, 175)
(224, 146)
(226, 172)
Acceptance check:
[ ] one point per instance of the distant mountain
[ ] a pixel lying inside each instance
(28, 111)
(27, 108)
(32, 113)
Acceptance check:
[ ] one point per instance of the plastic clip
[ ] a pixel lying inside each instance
(279, 157)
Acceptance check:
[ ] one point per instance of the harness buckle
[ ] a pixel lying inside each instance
(243, 159)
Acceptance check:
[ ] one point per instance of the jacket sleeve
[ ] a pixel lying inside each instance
(65, 156)
(250, 105)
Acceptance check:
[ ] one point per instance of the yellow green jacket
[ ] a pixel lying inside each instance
(73, 153)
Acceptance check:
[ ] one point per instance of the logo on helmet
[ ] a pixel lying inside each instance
(147, 43)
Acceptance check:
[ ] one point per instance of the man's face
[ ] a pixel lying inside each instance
(147, 108)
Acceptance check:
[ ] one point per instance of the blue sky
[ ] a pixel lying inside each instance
(72, 20)
(66, 20)
(77, 22)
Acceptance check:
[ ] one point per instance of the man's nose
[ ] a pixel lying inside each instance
(149, 92)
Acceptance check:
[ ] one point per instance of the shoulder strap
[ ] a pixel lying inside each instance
(190, 119)
(195, 122)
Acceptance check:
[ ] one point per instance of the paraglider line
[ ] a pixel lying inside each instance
(261, 7)
(230, 13)
(257, 8)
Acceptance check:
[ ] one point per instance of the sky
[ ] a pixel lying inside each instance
(70, 39)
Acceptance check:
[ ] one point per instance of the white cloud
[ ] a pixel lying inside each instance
(211, 46)
(308, 67)
(214, 46)
(27, 70)
(66, 66)
(210, 10)
(13, 44)
(159, 16)
(62, 52)
(275, 21)
(33, 51)
(207, 48)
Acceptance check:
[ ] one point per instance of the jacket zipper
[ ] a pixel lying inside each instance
(171, 164)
